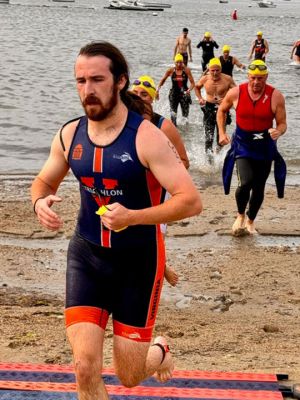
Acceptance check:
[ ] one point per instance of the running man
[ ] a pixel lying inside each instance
(207, 44)
(116, 257)
(295, 54)
(260, 47)
(180, 93)
(254, 143)
(183, 46)
(228, 61)
(145, 88)
(216, 86)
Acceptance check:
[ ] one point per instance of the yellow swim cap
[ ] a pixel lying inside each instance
(214, 61)
(226, 48)
(207, 34)
(259, 33)
(178, 57)
(147, 83)
(257, 67)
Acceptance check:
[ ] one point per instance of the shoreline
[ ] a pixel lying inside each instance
(236, 307)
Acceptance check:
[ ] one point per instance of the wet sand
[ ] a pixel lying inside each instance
(236, 307)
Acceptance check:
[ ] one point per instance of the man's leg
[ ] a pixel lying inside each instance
(261, 172)
(135, 361)
(209, 129)
(86, 340)
(174, 102)
(242, 193)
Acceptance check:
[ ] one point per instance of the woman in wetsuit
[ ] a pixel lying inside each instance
(180, 93)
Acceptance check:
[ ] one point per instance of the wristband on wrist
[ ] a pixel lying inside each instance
(34, 204)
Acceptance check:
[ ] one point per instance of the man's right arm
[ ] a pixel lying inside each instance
(199, 85)
(176, 47)
(46, 183)
(251, 50)
(223, 109)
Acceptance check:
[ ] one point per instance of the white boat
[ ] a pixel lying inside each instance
(266, 4)
(151, 6)
(130, 5)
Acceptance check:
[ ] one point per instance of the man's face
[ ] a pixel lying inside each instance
(257, 82)
(215, 72)
(185, 34)
(225, 54)
(259, 37)
(143, 94)
(179, 65)
(98, 93)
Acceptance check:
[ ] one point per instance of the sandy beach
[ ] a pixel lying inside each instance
(236, 307)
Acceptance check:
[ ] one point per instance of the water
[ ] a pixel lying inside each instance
(40, 41)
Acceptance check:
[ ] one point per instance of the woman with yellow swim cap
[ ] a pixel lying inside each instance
(180, 93)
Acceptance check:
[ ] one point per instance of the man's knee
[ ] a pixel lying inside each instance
(87, 372)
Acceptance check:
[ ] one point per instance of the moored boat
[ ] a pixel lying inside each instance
(266, 4)
(4, 1)
(130, 5)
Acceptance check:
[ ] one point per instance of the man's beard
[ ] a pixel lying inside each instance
(99, 112)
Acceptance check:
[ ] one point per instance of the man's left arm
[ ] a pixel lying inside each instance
(190, 50)
(278, 107)
(266, 47)
(158, 154)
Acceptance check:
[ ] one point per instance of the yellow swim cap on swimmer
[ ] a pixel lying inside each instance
(257, 67)
(178, 57)
(226, 48)
(147, 83)
(207, 34)
(259, 33)
(214, 61)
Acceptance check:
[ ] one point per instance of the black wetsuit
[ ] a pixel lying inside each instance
(227, 65)
(208, 51)
(177, 95)
(259, 49)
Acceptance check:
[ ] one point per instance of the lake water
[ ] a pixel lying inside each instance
(40, 41)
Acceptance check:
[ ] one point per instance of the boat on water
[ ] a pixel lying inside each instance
(63, 1)
(4, 1)
(131, 6)
(266, 4)
(223, 1)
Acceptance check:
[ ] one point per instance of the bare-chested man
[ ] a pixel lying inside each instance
(184, 46)
(216, 86)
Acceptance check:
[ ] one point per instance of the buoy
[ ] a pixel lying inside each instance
(154, 14)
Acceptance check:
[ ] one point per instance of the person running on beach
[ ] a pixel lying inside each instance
(145, 88)
(183, 46)
(260, 47)
(228, 61)
(180, 93)
(116, 257)
(234, 14)
(216, 86)
(207, 44)
(295, 53)
(254, 143)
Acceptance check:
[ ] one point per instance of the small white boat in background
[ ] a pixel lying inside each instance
(266, 4)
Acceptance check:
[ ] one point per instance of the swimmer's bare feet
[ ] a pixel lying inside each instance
(171, 276)
(166, 368)
(238, 228)
(250, 227)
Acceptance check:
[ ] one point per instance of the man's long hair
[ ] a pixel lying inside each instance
(118, 64)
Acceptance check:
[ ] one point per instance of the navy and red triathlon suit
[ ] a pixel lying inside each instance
(178, 96)
(259, 49)
(118, 273)
(253, 150)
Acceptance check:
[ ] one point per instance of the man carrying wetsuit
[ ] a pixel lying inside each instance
(207, 44)
(254, 143)
(180, 93)
(116, 257)
(228, 61)
(216, 85)
(260, 47)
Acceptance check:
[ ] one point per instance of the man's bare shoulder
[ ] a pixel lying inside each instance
(67, 131)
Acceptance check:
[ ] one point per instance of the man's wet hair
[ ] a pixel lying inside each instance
(118, 65)
(185, 30)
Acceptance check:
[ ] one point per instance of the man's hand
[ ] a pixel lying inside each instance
(116, 217)
(274, 133)
(48, 218)
(224, 139)
(202, 102)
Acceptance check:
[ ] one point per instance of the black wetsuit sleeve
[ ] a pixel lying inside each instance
(216, 45)
(199, 44)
